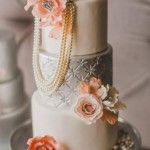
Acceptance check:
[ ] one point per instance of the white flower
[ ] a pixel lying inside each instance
(102, 92)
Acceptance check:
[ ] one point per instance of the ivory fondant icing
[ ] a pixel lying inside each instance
(90, 35)
(71, 131)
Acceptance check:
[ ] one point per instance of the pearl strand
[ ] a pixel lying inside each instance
(50, 87)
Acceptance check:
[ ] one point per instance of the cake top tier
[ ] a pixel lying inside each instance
(90, 33)
(68, 28)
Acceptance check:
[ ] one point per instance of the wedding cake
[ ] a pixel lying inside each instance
(14, 108)
(75, 107)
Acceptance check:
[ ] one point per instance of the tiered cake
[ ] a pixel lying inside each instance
(78, 105)
(13, 105)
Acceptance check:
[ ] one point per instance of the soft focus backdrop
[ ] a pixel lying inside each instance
(129, 34)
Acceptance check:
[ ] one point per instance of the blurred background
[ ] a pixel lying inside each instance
(128, 33)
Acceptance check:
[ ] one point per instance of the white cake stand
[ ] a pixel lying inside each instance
(21, 135)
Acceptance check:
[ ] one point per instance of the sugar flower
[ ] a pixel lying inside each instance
(51, 13)
(44, 143)
(91, 87)
(98, 101)
(88, 108)
(111, 102)
(112, 97)
(102, 92)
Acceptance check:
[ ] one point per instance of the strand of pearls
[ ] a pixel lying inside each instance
(50, 87)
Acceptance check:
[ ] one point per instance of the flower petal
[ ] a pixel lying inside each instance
(29, 4)
(110, 117)
(47, 142)
(55, 33)
(107, 103)
(84, 88)
(102, 92)
(113, 92)
(94, 84)
(120, 106)
(112, 109)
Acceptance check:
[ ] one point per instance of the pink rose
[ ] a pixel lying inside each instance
(88, 108)
(44, 143)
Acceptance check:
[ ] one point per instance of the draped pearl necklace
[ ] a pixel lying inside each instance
(49, 87)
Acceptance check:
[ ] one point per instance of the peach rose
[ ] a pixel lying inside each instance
(44, 143)
(88, 108)
(51, 13)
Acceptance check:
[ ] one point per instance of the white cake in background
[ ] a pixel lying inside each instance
(11, 94)
(91, 57)
(14, 106)
(8, 59)
(9, 122)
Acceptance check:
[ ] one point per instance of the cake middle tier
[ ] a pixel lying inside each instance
(81, 68)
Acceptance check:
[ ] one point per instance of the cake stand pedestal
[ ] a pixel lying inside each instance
(127, 134)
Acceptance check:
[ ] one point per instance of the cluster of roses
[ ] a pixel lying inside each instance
(97, 101)
(51, 13)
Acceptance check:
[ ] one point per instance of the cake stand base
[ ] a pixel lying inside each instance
(128, 138)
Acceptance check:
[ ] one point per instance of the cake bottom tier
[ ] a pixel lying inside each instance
(9, 121)
(75, 134)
